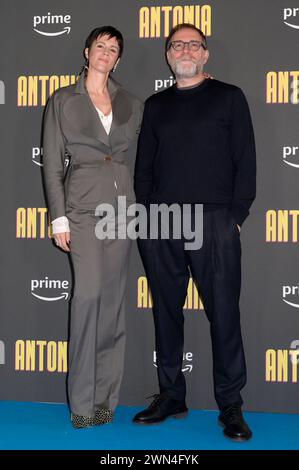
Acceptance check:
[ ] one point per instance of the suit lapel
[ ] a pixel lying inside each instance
(121, 106)
(121, 110)
(97, 125)
(92, 121)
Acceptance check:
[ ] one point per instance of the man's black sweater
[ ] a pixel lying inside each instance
(196, 145)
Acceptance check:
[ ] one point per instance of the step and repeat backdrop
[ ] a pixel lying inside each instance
(253, 44)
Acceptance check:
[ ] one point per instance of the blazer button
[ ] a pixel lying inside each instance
(108, 158)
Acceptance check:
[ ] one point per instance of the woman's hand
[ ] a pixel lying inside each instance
(63, 240)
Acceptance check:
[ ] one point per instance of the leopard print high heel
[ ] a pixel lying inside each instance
(103, 416)
(82, 421)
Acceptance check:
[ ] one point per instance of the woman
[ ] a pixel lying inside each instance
(92, 124)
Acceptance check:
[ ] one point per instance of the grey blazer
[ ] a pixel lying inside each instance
(99, 169)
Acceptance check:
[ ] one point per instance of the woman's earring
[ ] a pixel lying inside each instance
(115, 66)
(84, 67)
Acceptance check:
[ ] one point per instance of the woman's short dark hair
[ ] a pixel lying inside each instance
(183, 26)
(111, 32)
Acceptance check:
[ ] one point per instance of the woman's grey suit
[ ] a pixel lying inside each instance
(98, 173)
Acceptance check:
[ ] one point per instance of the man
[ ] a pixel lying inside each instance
(196, 146)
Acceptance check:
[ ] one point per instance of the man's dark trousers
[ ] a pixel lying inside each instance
(216, 270)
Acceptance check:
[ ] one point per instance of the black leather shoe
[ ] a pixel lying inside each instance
(161, 408)
(235, 427)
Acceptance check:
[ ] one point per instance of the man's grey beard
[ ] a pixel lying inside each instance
(183, 72)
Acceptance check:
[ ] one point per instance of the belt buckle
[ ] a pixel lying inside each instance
(108, 158)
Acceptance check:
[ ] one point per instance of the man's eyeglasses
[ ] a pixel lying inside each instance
(192, 45)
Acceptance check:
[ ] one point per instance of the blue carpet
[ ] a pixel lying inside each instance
(47, 426)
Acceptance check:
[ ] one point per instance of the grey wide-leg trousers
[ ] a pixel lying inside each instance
(97, 322)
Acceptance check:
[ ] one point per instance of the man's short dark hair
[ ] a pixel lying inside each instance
(183, 26)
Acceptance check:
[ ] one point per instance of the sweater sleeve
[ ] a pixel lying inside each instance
(243, 156)
(147, 144)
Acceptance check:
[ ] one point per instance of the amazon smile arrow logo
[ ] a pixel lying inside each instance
(186, 357)
(290, 152)
(47, 284)
(295, 26)
(59, 22)
(64, 296)
(291, 14)
(37, 163)
(66, 30)
(291, 303)
(295, 165)
(290, 290)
